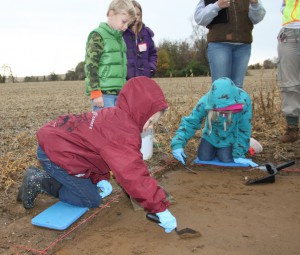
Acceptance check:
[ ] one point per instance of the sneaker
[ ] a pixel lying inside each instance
(30, 187)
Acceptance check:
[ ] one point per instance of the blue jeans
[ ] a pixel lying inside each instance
(207, 152)
(109, 101)
(229, 60)
(74, 190)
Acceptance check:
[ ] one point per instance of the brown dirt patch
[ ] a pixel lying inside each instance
(232, 217)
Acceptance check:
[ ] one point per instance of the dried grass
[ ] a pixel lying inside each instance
(18, 127)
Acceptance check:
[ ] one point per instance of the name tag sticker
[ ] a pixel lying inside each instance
(142, 47)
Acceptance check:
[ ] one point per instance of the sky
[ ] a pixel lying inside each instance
(39, 37)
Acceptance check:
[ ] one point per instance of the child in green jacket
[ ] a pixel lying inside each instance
(105, 60)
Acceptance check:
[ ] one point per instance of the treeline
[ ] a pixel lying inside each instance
(175, 59)
(267, 64)
(2, 79)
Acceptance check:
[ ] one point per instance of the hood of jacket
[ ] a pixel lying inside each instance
(144, 30)
(149, 30)
(141, 102)
(223, 93)
(116, 33)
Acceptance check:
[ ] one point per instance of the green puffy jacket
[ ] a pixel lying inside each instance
(112, 67)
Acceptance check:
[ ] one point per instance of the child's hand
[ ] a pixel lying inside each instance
(245, 161)
(106, 188)
(223, 3)
(179, 155)
(167, 221)
(99, 101)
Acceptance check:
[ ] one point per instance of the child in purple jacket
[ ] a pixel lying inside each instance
(141, 50)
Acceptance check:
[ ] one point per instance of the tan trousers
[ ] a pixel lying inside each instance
(288, 70)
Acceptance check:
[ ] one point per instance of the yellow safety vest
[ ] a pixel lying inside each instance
(291, 11)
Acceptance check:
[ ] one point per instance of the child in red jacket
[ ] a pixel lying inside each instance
(78, 151)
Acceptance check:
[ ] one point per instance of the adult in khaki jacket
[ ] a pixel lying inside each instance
(289, 68)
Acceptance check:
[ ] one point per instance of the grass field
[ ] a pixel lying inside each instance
(25, 107)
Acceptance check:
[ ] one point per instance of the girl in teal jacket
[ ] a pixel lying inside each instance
(227, 112)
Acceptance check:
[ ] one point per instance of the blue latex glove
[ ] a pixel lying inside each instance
(179, 155)
(167, 221)
(245, 161)
(106, 188)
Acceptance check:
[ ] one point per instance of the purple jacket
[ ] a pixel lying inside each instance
(141, 54)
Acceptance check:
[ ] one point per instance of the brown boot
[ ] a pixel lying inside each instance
(291, 135)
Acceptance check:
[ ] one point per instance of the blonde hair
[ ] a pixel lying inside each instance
(122, 6)
(137, 5)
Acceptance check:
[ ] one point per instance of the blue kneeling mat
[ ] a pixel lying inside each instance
(217, 162)
(58, 216)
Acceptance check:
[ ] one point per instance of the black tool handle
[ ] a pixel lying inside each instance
(285, 165)
(153, 217)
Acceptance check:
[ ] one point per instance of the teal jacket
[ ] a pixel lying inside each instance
(112, 67)
(237, 133)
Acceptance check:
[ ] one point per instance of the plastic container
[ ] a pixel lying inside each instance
(147, 144)
(255, 145)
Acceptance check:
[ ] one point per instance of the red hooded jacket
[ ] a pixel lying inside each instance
(94, 143)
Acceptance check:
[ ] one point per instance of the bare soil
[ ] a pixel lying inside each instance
(233, 218)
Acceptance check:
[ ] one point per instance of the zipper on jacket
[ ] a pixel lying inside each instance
(236, 18)
(294, 10)
(123, 64)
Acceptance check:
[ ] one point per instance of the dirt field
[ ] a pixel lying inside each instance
(233, 218)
